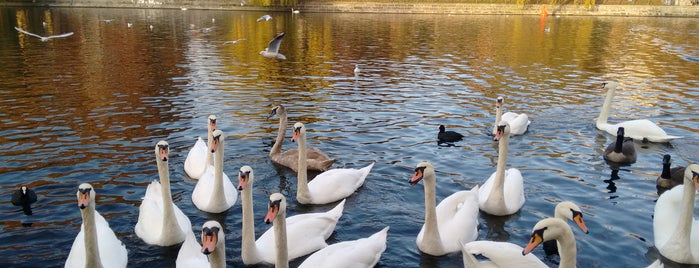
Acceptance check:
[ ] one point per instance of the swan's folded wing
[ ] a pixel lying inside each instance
(457, 216)
(514, 190)
(364, 252)
(518, 122)
(195, 163)
(190, 254)
(112, 251)
(503, 254)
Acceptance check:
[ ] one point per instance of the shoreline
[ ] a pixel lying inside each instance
(388, 8)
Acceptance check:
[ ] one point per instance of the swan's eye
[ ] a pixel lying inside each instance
(85, 190)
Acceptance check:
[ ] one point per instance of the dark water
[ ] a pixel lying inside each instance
(90, 108)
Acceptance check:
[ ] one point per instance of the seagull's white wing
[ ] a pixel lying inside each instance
(61, 35)
(28, 33)
(273, 45)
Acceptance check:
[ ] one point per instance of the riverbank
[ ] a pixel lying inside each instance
(385, 7)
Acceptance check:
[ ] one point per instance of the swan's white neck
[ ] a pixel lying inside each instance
(431, 239)
(498, 118)
(170, 226)
(604, 113)
(679, 244)
(277, 147)
(567, 249)
(217, 196)
(209, 141)
(282, 258)
(303, 195)
(248, 251)
(92, 253)
(496, 198)
(217, 258)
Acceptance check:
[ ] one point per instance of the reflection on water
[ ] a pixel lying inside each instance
(89, 108)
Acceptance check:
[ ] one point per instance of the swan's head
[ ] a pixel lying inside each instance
(212, 122)
(691, 176)
(545, 230)
(245, 177)
(279, 109)
(502, 131)
(571, 211)
(86, 195)
(217, 140)
(277, 207)
(162, 150)
(421, 170)
(498, 103)
(298, 129)
(610, 86)
(211, 236)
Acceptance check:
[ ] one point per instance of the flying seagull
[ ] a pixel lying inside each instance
(272, 50)
(264, 18)
(44, 38)
(234, 41)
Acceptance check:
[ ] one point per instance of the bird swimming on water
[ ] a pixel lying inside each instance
(448, 136)
(23, 197)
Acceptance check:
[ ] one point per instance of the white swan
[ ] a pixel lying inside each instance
(363, 252)
(96, 245)
(306, 233)
(214, 192)
(329, 186)
(212, 251)
(559, 230)
(317, 160)
(504, 254)
(199, 158)
(503, 192)
(518, 122)
(565, 210)
(447, 225)
(640, 129)
(675, 230)
(160, 221)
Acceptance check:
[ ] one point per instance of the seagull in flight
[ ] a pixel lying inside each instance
(264, 18)
(272, 49)
(234, 41)
(44, 38)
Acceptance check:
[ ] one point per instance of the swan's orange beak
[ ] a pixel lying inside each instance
(209, 239)
(214, 144)
(272, 211)
(296, 135)
(536, 239)
(578, 219)
(417, 176)
(84, 198)
(242, 180)
(499, 133)
(695, 179)
(212, 124)
(163, 152)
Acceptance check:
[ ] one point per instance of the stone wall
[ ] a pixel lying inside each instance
(382, 7)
